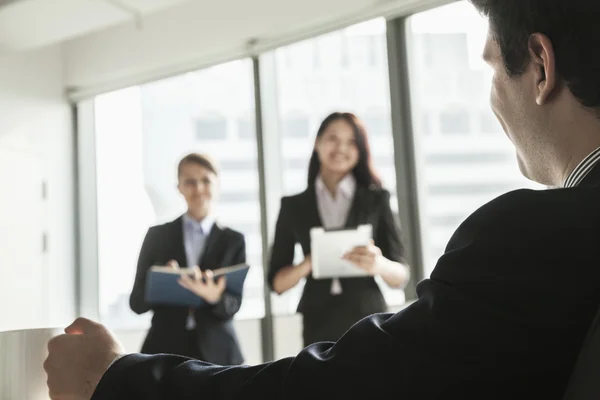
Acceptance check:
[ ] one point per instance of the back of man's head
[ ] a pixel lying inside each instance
(571, 25)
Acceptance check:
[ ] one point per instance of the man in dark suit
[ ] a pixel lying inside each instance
(508, 304)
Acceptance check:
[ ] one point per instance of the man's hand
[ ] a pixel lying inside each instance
(78, 359)
(203, 284)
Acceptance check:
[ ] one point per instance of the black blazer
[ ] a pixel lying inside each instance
(217, 341)
(503, 317)
(300, 213)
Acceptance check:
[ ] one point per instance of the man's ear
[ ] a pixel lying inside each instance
(541, 52)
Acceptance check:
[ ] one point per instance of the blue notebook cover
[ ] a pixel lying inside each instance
(162, 287)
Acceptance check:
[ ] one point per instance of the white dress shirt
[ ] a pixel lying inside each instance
(194, 239)
(334, 210)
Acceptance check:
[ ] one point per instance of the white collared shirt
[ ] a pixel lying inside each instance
(334, 210)
(194, 237)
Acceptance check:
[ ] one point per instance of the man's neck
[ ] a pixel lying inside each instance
(575, 134)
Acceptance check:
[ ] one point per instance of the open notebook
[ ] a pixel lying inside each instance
(162, 287)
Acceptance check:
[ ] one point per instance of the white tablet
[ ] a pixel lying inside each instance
(328, 248)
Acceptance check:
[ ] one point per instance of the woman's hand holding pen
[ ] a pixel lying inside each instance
(365, 257)
(203, 284)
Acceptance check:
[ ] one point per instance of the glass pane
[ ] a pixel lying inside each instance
(464, 159)
(142, 132)
(341, 71)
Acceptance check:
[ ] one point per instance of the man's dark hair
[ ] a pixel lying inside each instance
(571, 25)
(198, 159)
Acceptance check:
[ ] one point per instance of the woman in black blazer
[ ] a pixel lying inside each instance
(343, 192)
(205, 333)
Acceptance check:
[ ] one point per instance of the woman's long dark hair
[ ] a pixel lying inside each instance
(364, 172)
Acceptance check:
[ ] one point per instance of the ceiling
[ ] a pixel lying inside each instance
(109, 44)
(30, 24)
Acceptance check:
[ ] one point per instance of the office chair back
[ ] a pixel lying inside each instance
(585, 380)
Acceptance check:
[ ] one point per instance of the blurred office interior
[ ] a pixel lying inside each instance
(100, 99)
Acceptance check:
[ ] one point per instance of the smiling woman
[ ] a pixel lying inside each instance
(344, 191)
(141, 134)
(194, 240)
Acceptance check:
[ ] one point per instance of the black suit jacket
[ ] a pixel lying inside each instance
(300, 213)
(502, 317)
(216, 338)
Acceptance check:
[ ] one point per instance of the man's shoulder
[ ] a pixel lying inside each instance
(526, 212)
(513, 203)
(532, 203)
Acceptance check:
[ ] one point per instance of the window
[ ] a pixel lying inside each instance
(488, 124)
(344, 51)
(296, 126)
(358, 84)
(374, 49)
(455, 122)
(246, 128)
(444, 50)
(316, 55)
(141, 133)
(210, 128)
(426, 127)
(458, 172)
(378, 123)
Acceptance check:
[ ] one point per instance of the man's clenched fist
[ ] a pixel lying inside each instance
(78, 359)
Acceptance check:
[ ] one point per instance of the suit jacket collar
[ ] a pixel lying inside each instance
(205, 225)
(309, 197)
(210, 246)
(357, 209)
(346, 187)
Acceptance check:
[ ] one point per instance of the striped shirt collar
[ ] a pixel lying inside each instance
(583, 169)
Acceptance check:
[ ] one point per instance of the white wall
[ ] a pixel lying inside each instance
(36, 142)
